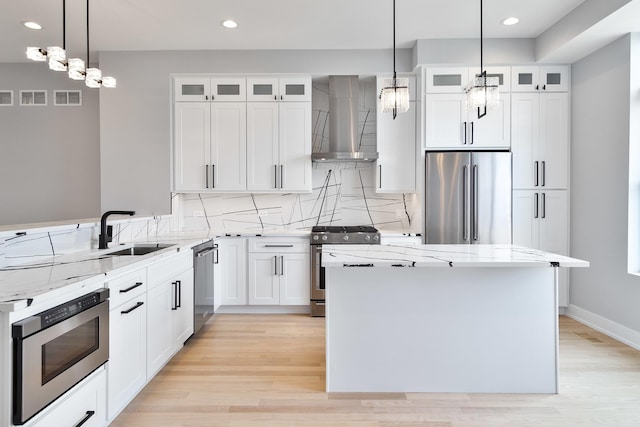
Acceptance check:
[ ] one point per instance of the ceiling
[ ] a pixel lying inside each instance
(268, 24)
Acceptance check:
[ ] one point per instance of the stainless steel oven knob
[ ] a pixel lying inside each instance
(376, 238)
(367, 238)
(316, 237)
(324, 237)
(345, 238)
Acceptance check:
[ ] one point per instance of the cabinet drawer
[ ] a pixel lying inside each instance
(167, 268)
(87, 401)
(123, 288)
(279, 244)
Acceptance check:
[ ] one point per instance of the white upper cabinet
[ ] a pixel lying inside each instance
(396, 142)
(286, 89)
(457, 79)
(545, 78)
(218, 89)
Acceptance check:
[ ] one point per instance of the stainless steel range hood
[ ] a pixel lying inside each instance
(344, 143)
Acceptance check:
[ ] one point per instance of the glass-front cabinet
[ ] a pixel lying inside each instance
(286, 89)
(202, 89)
(545, 78)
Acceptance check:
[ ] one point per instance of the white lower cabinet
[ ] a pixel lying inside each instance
(169, 309)
(541, 221)
(231, 271)
(127, 366)
(279, 271)
(85, 404)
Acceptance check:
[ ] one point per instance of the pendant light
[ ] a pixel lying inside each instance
(484, 93)
(394, 95)
(55, 55)
(93, 76)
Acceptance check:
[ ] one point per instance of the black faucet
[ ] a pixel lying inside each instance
(105, 232)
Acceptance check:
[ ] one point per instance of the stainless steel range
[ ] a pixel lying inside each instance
(333, 235)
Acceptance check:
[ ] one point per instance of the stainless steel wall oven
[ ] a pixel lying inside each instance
(56, 349)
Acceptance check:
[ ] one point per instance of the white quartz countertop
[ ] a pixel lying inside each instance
(399, 255)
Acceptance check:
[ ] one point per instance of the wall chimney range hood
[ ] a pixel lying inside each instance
(344, 144)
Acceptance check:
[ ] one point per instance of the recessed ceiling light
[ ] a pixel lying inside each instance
(510, 21)
(32, 25)
(229, 23)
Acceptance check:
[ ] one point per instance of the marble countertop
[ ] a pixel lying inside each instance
(399, 255)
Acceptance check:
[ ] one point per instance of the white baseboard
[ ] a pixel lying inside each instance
(608, 327)
(264, 309)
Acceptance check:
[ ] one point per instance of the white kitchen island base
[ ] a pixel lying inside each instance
(442, 329)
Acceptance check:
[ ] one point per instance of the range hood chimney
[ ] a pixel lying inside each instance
(344, 143)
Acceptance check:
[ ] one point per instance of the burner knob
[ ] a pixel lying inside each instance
(324, 237)
(376, 238)
(367, 238)
(345, 237)
(316, 237)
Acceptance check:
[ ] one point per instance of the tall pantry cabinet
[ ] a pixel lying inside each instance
(540, 146)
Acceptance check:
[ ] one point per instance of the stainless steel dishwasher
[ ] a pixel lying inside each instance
(204, 258)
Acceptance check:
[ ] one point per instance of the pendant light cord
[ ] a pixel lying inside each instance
(481, 38)
(394, 39)
(87, 66)
(64, 24)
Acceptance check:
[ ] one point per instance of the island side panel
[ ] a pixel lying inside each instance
(462, 330)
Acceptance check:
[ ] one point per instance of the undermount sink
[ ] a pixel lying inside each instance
(139, 250)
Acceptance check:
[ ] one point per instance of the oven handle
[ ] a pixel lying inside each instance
(86, 418)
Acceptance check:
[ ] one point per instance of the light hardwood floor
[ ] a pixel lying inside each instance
(268, 370)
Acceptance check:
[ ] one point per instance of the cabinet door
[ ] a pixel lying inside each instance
(554, 78)
(525, 78)
(84, 405)
(262, 89)
(127, 365)
(191, 89)
(494, 129)
(262, 146)
(192, 136)
(182, 325)
(554, 140)
(292, 89)
(526, 211)
(228, 146)
(232, 263)
(159, 320)
(294, 149)
(447, 79)
(554, 222)
(525, 130)
(396, 141)
(264, 278)
(446, 117)
(295, 279)
(228, 89)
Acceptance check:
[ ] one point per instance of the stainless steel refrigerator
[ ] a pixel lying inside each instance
(468, 197)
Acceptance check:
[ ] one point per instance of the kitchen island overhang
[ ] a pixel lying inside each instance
(442, 318)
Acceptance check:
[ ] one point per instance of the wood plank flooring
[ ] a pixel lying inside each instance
(269, 370)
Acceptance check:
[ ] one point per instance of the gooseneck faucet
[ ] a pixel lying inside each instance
(106, 232)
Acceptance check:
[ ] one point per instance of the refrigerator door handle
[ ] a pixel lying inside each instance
(474, 205)
(465, 232)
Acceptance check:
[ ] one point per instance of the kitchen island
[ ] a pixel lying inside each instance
(442, 318)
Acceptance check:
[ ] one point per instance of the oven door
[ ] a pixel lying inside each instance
(317, 274)
(51, 361)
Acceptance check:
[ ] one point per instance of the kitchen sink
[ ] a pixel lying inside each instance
(140, 249)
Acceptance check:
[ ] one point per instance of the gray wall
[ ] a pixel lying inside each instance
(135, 118)
(599, 182)
(49, 156)
(467, 51)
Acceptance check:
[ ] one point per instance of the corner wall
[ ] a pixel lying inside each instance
(604, 295)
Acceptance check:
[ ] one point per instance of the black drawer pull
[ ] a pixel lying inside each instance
(86, 418)
(138, 304)
(124, 291)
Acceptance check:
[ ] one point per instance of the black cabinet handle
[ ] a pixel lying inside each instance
(124, 291)
(138, 304)
(535, 206)
(174, 289)
(213, 176)
(179, 294)
(206, 176)
(464, 125)
(544, 173)
(535, 167)
(275, 176)
(471, 133)
(275, 97)
(86, 418)
(544, 205)
(537, 87)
